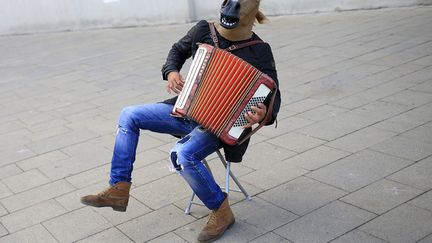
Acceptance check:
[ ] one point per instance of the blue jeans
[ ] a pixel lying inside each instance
(186, 156)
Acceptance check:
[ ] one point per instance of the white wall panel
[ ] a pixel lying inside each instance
(30, 16)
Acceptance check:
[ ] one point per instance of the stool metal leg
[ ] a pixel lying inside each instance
(227, 174)
(228, 168)
(188, 208)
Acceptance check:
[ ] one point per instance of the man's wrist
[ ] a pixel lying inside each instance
(167, 72)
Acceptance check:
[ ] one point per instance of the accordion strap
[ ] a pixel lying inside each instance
(232, 47)
(213, 34)
(242, 45)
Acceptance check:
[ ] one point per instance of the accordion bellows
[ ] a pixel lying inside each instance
(219, 88)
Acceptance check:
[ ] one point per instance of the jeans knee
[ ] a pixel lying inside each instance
(181, 156)
(185, 159)
(179, 160)
(128, 117)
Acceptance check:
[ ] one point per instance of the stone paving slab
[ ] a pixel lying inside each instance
(76, 225)
(35, 233)
(325, 223)
(111, 235)
(262, 214)
(418, 175)
(358, 170)
(170, 237)
(270, 237)
(404, 224)
(32, 215)
(154, 224)
(302, 195)
(358, 236)
(350, 159)
(381, 196)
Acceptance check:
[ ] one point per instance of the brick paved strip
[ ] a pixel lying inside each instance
(358, 236)
(25, 181)
(325, 223)
(381, 196)
(361, 139)
(427, 239)
(173, 187)
(76, 225)
(35, 234)
(134, 210)
(408, 120)
(418, 175)
(155, 224)
(239, 232)
(9, 170)
(36, 195)
(32, 215)
(262, 214)
(296, 142)
(3, 211)
(359, 170)
(3, 231)
(71, 201)
(302, 195)
(4, 191)
(412, 149)
(317, 157)
(9, 156)
(404, 224)
(111, 235)
(60, 141)
(90, 177)
(424, 201)
(421, 133)
(170, 237)
(40, 160)
(270, 237)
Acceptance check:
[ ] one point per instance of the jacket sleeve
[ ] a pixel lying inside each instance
(268, 67)
(179, 53)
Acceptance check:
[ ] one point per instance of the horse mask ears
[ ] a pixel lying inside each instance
(261, 18)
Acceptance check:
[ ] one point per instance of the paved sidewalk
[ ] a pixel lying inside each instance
(350, 160)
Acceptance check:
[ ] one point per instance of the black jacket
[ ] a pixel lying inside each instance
(259, 55)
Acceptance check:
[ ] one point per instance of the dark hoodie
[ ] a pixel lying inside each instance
(259, 55)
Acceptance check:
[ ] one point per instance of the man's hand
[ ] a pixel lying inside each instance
(259, 115)
(175, 82)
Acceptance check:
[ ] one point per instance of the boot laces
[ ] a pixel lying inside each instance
(104, 192)
(212, 218)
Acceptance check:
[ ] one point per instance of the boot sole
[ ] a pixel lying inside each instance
(115, 208)
(219, 236)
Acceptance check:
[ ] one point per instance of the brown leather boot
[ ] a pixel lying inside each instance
(116, 196)
(220, 220)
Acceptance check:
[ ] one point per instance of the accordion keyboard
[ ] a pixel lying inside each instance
(241, 121)
(260, 95)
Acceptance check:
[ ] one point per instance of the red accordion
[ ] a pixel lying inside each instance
(219, 88)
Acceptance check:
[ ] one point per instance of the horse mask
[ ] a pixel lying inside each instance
(236, 13)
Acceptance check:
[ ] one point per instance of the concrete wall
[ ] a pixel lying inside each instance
(30, 16)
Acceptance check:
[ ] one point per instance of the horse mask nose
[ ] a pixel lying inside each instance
(231, 8)
(230, 14)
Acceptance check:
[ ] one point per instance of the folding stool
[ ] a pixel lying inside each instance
(228, 174)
